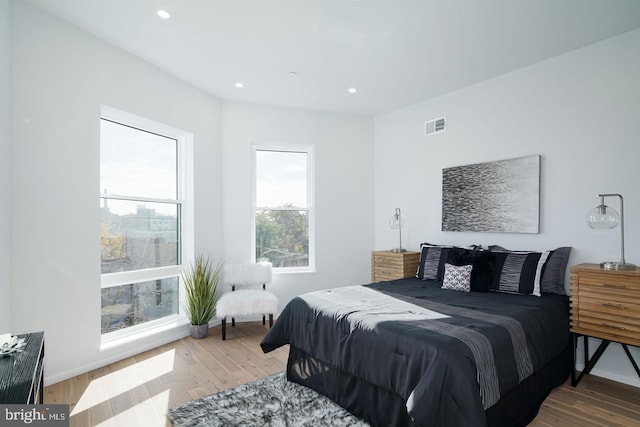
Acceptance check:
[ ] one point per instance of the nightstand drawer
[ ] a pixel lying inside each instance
(385, 276)
(609, 327)
(603, 317)
(610, 293)
(387, 262)
(605, 284)
(390, 272)
(618, 307)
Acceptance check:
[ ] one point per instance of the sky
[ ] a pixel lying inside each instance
(136, 163)
(281, 178)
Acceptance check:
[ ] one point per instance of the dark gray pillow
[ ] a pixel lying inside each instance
(554, 269)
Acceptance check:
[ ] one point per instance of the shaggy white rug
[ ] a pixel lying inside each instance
(270, 401)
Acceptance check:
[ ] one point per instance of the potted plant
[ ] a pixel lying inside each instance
(200, 284)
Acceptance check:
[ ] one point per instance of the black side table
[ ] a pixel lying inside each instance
(22, 373)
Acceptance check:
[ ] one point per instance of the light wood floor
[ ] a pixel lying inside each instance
(139, 390)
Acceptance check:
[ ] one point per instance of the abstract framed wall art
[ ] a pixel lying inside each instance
(501, 196)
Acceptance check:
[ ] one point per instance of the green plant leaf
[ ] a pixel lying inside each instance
(201, 283)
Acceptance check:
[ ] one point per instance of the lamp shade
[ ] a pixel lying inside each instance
(396, 221)
(603, 217)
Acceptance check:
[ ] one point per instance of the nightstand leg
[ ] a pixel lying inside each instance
(590, 363)
(574, 347)
(631, 359)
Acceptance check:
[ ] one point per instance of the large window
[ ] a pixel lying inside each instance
(142, 221)
(283, 212)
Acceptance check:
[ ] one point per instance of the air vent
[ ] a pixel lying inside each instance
(434, 126)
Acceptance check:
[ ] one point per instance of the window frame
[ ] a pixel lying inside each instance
(309, 151)
(184, 199)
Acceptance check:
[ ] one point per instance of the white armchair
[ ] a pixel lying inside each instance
(246, 294)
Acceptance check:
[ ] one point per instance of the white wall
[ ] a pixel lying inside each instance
(61, 76)
(579, 111)
(343, 189)
(5, 166)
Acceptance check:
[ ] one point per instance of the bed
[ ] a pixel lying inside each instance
(409, 353)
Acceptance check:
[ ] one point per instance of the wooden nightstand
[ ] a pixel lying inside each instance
(387, 265)
(605, 304)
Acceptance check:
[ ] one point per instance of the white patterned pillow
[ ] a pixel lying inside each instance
(457, 278)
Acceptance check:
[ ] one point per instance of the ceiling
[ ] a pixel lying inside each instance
(394, 52)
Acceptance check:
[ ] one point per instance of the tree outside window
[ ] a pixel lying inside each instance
(283, 215)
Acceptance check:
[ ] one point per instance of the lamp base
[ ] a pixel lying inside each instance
(398, 250)
(612, 265)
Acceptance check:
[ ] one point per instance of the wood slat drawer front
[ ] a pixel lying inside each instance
(610, 318)
(399, 265)
(613, 307)
(618, 322)
(387, 272)
(608, 284)
(602, 281)
(383, 260)
(613, 328)
(609, 293)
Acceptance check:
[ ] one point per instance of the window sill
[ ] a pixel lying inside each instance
(119, 338)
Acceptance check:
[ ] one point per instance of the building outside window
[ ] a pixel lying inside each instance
(283, 216)
(144, 232)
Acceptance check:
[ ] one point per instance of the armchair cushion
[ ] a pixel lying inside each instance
(246, 302)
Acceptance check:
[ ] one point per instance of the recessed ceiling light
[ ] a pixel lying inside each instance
(293, 74)
(239, 85)
(163, 14)
(352, 90)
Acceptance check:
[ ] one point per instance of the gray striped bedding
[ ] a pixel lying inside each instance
(450, 355)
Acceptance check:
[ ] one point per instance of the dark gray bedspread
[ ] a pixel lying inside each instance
(449, 354)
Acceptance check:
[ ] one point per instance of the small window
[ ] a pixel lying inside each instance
(142, 206)
(283, 214)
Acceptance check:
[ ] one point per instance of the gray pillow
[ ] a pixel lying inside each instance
(554, 269)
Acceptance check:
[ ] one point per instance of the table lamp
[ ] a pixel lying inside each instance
(397, 222)
(604, 217)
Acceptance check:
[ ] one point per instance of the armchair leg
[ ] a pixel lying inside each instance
(233, 321)
(224, 328)
(270, 320)
(263, 319)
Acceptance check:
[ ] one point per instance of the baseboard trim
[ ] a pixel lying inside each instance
(635, 382)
